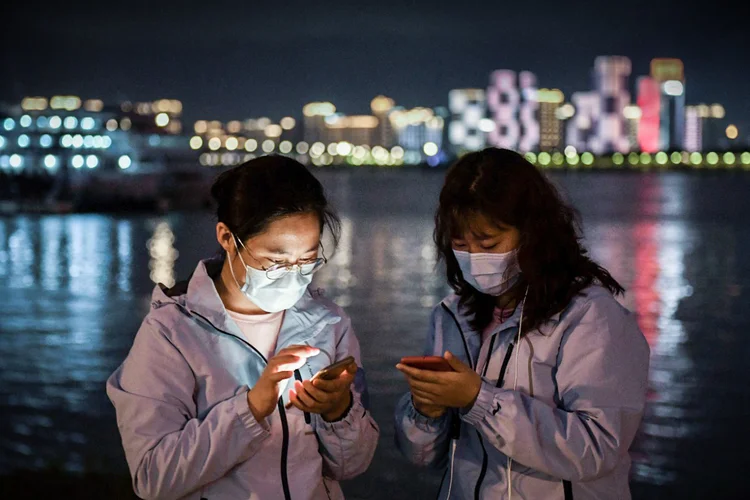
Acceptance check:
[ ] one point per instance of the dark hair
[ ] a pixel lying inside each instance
(252, 195)
(503, 186)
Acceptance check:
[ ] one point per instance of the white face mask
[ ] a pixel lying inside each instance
(490, 273)
(273, 295)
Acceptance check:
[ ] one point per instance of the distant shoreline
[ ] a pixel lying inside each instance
(178, 195)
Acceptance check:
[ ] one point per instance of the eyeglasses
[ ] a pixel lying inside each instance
(306, 269)
(278, 271)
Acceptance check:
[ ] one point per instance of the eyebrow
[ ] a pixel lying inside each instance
(479, 236)
(483, 236)
(281, 251)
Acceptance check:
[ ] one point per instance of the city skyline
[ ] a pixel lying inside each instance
(232, 62)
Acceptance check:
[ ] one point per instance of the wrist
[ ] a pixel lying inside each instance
(476, 387)
(429, 411)
(257, 413)
(341, 409)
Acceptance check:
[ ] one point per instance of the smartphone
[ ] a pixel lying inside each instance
(432, 363)
(332, 371)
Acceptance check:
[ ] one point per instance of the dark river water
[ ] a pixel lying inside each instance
(74, 289)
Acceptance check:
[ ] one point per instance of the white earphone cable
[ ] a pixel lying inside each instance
(453, 456)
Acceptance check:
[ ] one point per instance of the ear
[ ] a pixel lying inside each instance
(225, 238)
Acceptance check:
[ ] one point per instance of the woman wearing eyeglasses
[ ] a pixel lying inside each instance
(215, 399)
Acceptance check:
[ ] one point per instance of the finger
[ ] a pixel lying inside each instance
(285, 362)
(303, 351)
(280, 376)
(456, 363)
(417, 374)
(431, 389)
(295, 401)
(291, 366)
(297, 404)
(333, 386)
(304, 397)
(318, 395)
(423, 399)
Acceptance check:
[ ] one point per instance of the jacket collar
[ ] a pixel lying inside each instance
(451, 302)
(301, 322)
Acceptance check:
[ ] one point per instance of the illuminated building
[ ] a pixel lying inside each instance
(649, 101)
(705, 128)
(669, 74)
(165, 113)
(693, 129)
(381, 107)
(665, 69)
(327, 138)
(611, 75)
(358, 130)
(88, 139)
(323, 124)
(511, 100)
(234, 142)
(632, 115)
(581, 128)
(550, 102)
(468, 127)
(419, 132)
(314, 116)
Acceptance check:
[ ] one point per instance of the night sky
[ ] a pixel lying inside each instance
(228, 60)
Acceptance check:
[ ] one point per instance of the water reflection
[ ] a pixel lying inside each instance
(163, 255)
(58, 314)
(21, 255)
(671, 364)
(52, 267)
(124, 254)
(336, 278)
(75, 289)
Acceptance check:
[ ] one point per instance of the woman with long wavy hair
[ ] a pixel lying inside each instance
(548, 372)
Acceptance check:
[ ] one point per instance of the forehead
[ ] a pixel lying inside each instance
(475, 224)
(291, 234)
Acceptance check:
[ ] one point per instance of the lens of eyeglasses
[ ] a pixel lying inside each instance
(276, 272)
(308, 269)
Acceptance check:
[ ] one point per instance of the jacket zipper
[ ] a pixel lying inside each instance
(282, 411)
(485, 458)
(568, 489)
(463, 337)
(483, 472)
(284, 451)
(328, 493)
(501, 378)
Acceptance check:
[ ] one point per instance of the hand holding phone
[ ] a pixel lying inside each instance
(435, 386)
(332, 371)
(263, 397)
(327, 392)
(432, 363)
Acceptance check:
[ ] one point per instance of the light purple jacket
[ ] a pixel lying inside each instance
(580, 396)
(182, 411)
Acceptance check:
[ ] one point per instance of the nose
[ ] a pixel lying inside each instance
(474, 247)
